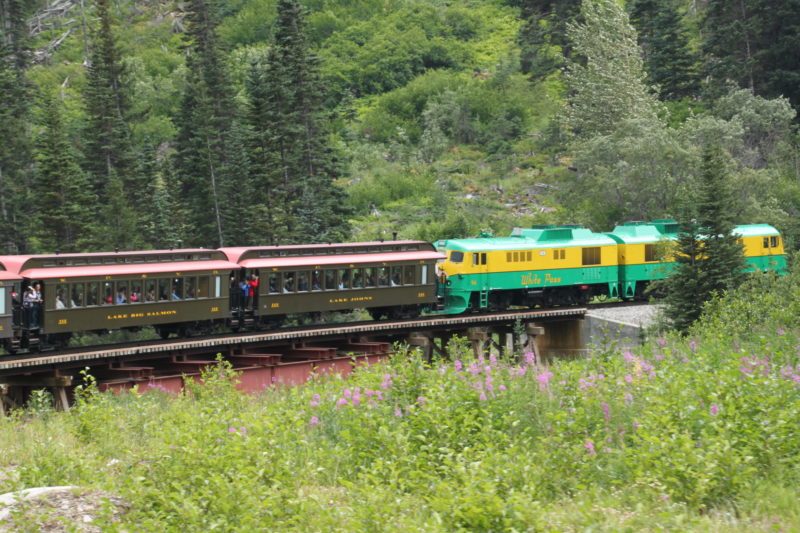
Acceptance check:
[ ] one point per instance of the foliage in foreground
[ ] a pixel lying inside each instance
(696, 434)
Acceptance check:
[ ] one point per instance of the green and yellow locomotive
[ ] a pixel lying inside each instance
(565, 265)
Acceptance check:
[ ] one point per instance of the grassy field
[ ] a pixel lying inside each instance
(695, 434)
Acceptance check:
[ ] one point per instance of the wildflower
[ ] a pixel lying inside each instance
(341, 401)
(482, 397)
(589, 445)
(693, 346)
(493, 360)
(356, 401)
(628, 356)
(502, 387)
(398, 412)
(313, 403)
(421, 400)
(530, 358)
(316, 397)
(628, 399)
(231, 430)
(473, 369)
(348, 393)
(628, 378)
(606, 411)
(662, 342)
(714, 409)
(314, 421)
(607, 450)
(458, 365)
(780, 332)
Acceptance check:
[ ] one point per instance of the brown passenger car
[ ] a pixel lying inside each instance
(170, 290)
(393, 278)
(7, 282)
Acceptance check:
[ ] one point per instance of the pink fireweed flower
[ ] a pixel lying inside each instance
(313, 403)
(231, 430)
(628, 399)
(662, 342)
(421, 400)
(341, 401)
(493, 360)
(713, 409)
(629, 357)
(530, 358)
(589, 445)
(398, 412)
(473, 369)
(356, 401)
(458, 365)
(314, 421)
(544, 379)
(502, 387)
(606, 411)
(348, 393)
(628, 378)
(316, 397)
(482, 397)
(693, 346)
(780, 332)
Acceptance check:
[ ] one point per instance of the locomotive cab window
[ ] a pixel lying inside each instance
(456, 257)
(773, 242)
(766, 242)
(476, 259)
(591, 256)
(650, 252)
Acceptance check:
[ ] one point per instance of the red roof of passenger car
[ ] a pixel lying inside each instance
(235, 253)
(8, 276)
(126, 269)
(320, 260)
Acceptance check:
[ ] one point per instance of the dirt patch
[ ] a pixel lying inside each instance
(60, 509)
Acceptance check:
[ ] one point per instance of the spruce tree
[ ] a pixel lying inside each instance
(62, 197)
(665, 44)
(298, 167)
(204, 123)
(544, 46)
(107, 147)
(709, 258)
(15, 134)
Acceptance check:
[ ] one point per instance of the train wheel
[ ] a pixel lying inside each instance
(163, 332)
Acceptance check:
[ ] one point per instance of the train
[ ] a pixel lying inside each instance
(46, 299)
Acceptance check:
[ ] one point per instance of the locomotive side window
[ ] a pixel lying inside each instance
(456, 257)
(591, 256)
(76, 296)
(483, 258)
(383, 277)
(650, 252)
(202, 287)
(396, 276)
(475, 259)
(316, 281)
(773, 242)
(508, 257)
(766, 242)
(288, 282)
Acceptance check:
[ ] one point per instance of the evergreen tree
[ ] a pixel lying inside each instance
(606, 76)
(62, 198)
(665, 43)
(709, 256)
(205, 119)
(543, 35)
(753, 43)
(15, 135)
(107, 149)
(293, 162)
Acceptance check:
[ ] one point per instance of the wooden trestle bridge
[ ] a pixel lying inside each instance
(285, 356)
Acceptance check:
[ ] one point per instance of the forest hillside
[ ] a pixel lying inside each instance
(144, 124)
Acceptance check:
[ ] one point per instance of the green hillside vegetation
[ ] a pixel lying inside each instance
(443, 118)
(694, 433)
